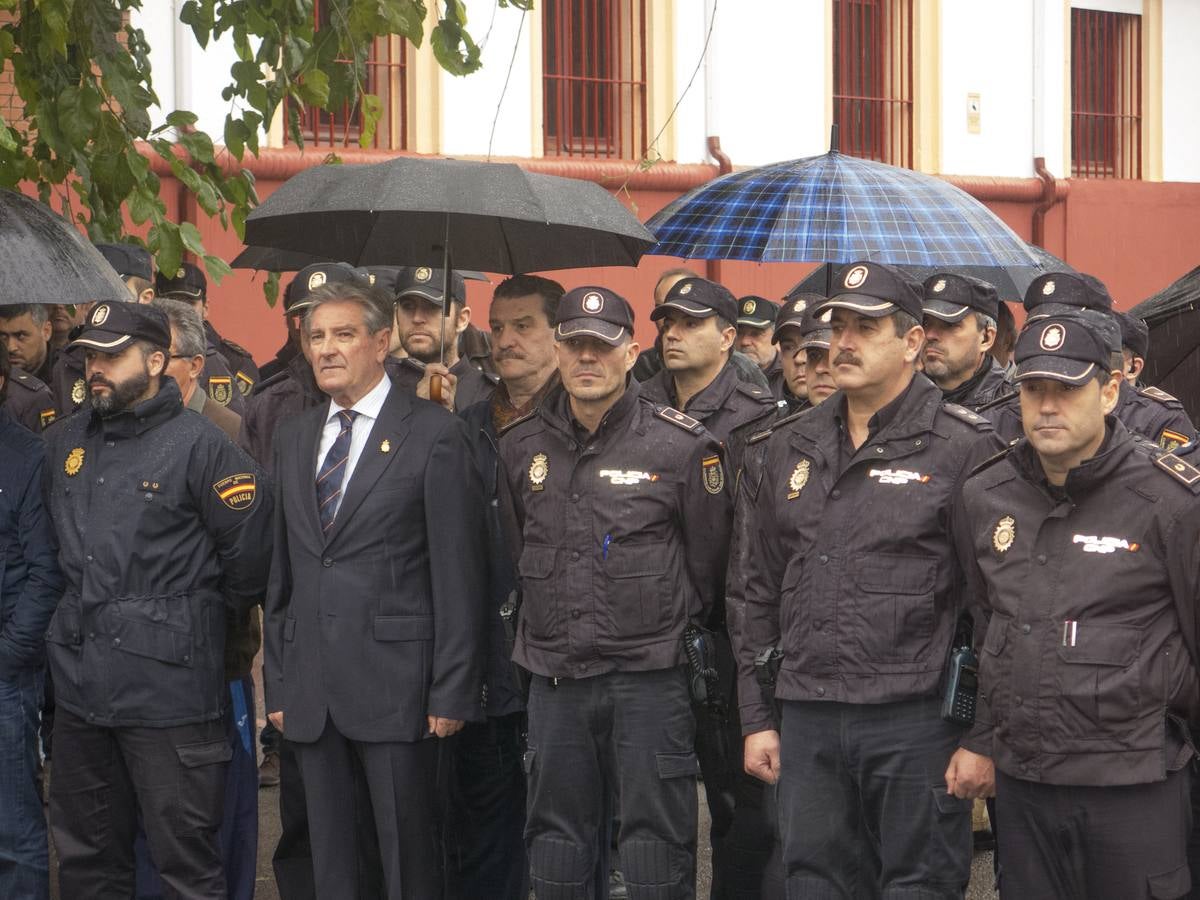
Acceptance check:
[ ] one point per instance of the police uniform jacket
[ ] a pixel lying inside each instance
(619, 536)
(67, 383)
(989, 382)
(855, 572)
(29, 400)
(237, 359)
(160, 519)
(776, 381)
(218, 381)
(1088, 598)
(730, 408)
(30, 580)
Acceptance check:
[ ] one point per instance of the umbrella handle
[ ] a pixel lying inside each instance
(435, 388)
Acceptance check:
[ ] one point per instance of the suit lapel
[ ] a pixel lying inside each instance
(391, 427)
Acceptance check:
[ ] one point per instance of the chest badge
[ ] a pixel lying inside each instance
(1004, 534)
(74, 462)
(539, 468)
(798, 479)
(78, 392)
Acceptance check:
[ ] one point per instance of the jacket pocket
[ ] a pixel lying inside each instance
(894, 617)
(403, 628)
(641, 598)
(152, 641)
(1099, 682)
(1169, 885)
(539, 600)
(994, 686)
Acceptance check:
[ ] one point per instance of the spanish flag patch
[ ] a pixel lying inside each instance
(236, 491)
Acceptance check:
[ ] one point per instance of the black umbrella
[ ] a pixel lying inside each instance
(495, 217)
(1173, 365)
(268, 259)
(44, 259)
(1010, 281)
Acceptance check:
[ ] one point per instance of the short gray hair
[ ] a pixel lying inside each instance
(375, 302)
(983, 321)
(190, 339)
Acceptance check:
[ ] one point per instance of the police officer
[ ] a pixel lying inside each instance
(228, 383)
(1135, 346)
(1088, 675)
(424, 328)
(159, 520)
(855, 576)
(755, 327)
(29, 401)
(803, 340)
(960, 329)
(619, 514)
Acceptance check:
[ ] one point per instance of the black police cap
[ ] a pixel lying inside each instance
(1135, 334)
(593, 312)
(129, 260)
(757, 312)
(188, 283)
(111, 327)
(429, 284)
(700, 299)
(874, 290)
(1068, 289)
(1101, 321)
(952, 297)
(796, 310)
(1060, 348)
(308, 279)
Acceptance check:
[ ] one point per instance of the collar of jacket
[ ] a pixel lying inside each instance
(165, 405)
(1118, 443)
(989, 371)
(556, 412)
(911, 413)
(661, 389)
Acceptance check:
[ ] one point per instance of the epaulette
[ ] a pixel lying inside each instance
(1161, 396)
(261, 386)
(236, 348)
(517, 421)
(678, 419)
(998, 401)
(1181, 471)
(27, 381)
(992, 460)
(965, 415)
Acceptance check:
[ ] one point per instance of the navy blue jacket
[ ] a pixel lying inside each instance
(30, 580)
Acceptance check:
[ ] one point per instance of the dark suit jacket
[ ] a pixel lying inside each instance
(381, 621)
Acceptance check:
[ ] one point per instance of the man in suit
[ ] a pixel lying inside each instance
(375, 607)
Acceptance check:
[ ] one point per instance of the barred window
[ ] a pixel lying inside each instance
(1106, 94)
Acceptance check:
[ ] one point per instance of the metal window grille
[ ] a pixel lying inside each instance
(1106, 94)
(873, 79)
(386, 74)
(594, 78)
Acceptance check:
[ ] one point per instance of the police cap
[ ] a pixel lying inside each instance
(111, 327)
(128, 260)
(1135, 334)
(188, 283)
(1101, 321)
(1068, 289)
(593, 312)
(1060, 348)
(951, 297)
(874, 290)
(308, 279)
(428, 284)
(757, 312)
(797, 314)
(699, 298)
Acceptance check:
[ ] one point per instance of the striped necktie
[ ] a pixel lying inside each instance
(333, 470)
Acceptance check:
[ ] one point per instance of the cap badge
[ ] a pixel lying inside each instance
(748, 307)
(714, 474)
(1004, 534)
(423, 274)
(798, 479)
(370, 278)
(1048, 287)
(939, 285)
(78, 392)
(539, 468)
(1053, 337)
(855, 277)
(315, 280)
(74, 462)
(800, 306)
(100, 314)
(686, 289)
(593, 302)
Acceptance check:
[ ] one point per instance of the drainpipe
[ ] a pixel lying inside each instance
(1048, 199)
(712, 267)
(1050, 187)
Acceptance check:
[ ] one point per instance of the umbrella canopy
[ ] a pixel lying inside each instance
(268, 259)
(496, 217)
(44, 259)
(1173, 315)
(1010, 282)
(835, 208)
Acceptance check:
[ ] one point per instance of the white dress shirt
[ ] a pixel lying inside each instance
(368, 408)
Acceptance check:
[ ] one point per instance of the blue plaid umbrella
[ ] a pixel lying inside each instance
(835, 208)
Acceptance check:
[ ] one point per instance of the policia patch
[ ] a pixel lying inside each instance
(236, 491)
(714, 474)
(220, 388)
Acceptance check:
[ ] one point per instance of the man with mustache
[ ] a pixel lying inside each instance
(960, 329)
(1088, 674)
(855, 578)
(160, 522)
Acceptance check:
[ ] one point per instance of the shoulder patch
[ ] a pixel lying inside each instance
(992, 460)
(992, 404)
(1181, 471)
(237, 491)
(678, 419)
(965, 415)
(245, 384)
(1161, 396)
(1171, 440)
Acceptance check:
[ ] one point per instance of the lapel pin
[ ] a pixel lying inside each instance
(385, 447)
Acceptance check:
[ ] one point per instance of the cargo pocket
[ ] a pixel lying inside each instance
(539, 601)
(640, 603)
(200, 786)
(677, 765)
(1169, 885)
(1099, 682)
(894, 614)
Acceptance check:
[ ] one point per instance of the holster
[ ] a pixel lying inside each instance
(509, 610)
